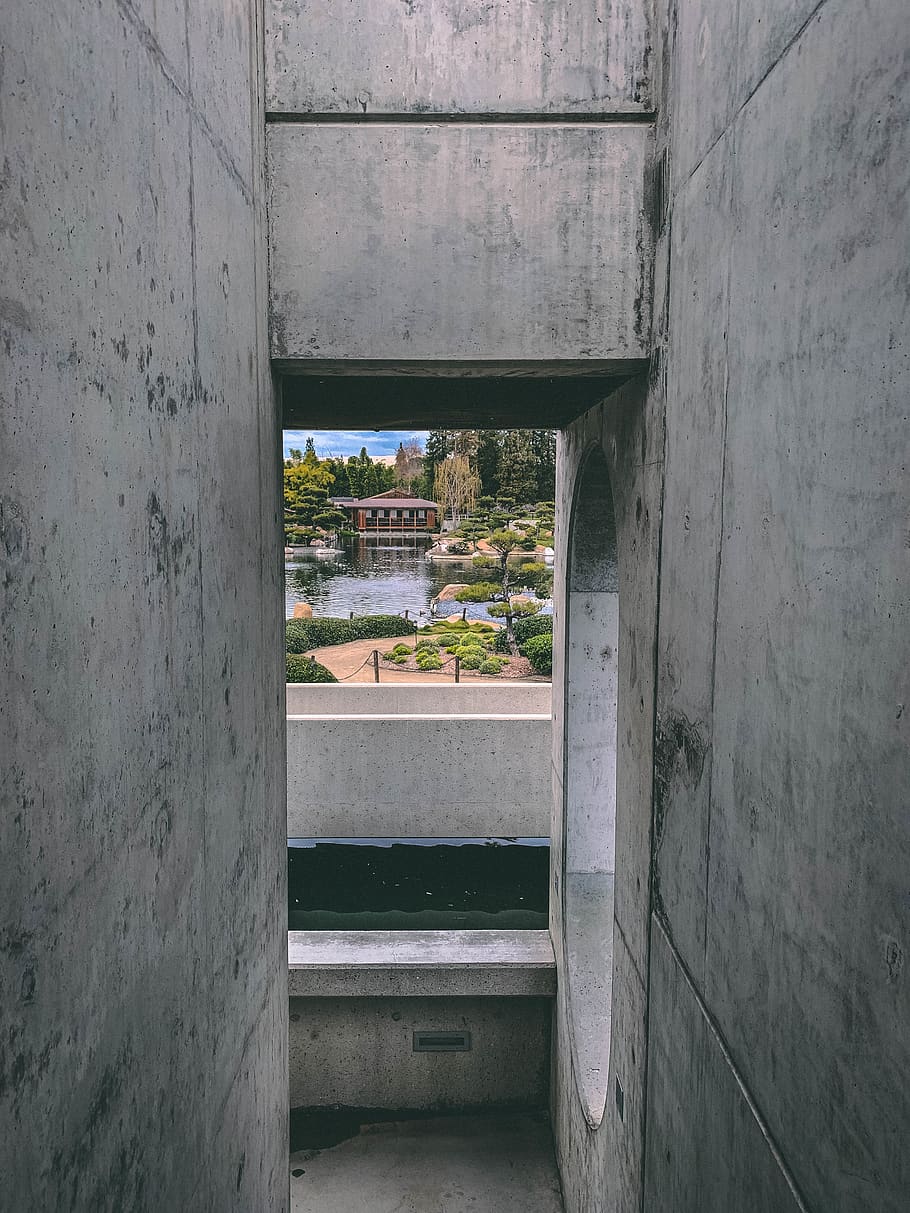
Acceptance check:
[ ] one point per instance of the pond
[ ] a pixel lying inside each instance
(378, 575)
(414, 884)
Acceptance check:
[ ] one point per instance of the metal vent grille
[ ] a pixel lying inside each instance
(442, 1042)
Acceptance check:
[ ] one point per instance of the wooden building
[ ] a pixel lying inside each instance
(394, 510)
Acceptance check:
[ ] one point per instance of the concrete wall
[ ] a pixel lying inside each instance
(358, 1052)
(418, 776)
(142, 889)
(601, 1168)
(547, 57)
(779, 1019)
(782, 837)
(505, 697)
(435, 242)
(402, 239)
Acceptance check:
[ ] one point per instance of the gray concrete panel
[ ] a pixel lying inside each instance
(108, 443)
(810, 835)
(458, 242)
(409, 963)
(702, 97)
(418, 776)
(696, 371)
(488, 1163)
(602, 1168)
(458, 56)
(706, 1151)
(508, 698)
(764, 33)
(358, 1052)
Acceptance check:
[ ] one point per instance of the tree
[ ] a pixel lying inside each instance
(455, 487)
(543, 449)
(489, 444)
(504, 543)
(518, 467)
(306, 492)
(438, 447)
(408, 464)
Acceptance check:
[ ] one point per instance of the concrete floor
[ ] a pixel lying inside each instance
(471, 1164)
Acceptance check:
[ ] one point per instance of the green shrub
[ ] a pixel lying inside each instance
(501, 641)
(481, 591)
(400, 650)
(428, 642)
(305, 669)
(470, 650)
(534, 625)
(539, 651)
(304, 634)
(473, 660)
(459, 549)
(429, 662)
(401, 658)
(491, 666)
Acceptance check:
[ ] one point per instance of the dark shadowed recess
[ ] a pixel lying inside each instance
(456, 395)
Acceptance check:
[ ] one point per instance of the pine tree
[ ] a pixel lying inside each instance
(517, 468)
(438, 447)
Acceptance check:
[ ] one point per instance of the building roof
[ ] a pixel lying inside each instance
(414, 503)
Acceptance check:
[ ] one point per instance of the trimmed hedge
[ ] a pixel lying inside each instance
(305, 669)
(539, 651)
(300, 635)
(524, 629)
(474, 659)
(532, 625)
(492, 665)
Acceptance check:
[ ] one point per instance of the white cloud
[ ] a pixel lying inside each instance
(349, 442)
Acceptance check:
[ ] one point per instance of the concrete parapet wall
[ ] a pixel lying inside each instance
(415, 699)
(358, 1052)
(413, 776)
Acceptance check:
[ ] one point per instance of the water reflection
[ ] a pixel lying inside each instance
(377, 575)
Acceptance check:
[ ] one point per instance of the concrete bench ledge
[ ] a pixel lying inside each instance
(324, 964)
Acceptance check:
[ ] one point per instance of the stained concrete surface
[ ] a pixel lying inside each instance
(404, 963)
(601, 1169)
(434, 242)
(142, 958)
(500, 1164)
(418, 776)
(549, 57)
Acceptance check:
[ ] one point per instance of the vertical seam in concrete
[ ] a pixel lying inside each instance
(210, 1129)
(654, 698)
(720, 530)
(729, 1061)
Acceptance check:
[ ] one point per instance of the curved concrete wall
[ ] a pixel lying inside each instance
(601, 1169)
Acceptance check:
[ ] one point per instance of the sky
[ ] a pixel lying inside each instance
(349, 442)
